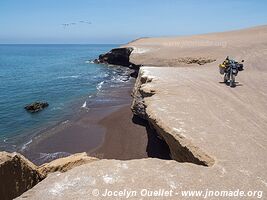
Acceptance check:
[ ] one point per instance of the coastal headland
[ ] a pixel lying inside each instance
(214, 134)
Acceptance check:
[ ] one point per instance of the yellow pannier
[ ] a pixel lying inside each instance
(221, 68)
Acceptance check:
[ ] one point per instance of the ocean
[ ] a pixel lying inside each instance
(62, 75)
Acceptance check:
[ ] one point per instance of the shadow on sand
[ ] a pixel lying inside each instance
(156, 147)
(237, 84)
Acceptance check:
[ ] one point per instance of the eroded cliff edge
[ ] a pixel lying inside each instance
(18, 174)
(210, 122)
(181, 148)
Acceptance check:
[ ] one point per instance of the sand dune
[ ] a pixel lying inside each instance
(242, 44)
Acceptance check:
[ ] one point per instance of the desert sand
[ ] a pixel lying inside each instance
(216, 134)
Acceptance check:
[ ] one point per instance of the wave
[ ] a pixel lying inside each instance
(89, 62)
(120, 79)
(64, 77)
(102, 75)
(99, 85)
(24, 146)
(84, 105)
(56, 108)
(65, 122)
(66, 80)
(47, 157)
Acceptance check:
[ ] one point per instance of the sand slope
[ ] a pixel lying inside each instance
(245, 44)
(189, 104)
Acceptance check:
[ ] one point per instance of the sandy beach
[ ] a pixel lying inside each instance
(108, 131)
(128, 137)
(190, 130)
(139, 100)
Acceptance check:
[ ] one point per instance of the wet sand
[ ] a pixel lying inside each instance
(105, 131)
(124, 139)
(129, 137)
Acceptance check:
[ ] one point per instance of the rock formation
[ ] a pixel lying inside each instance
(17, 175)
(138, 94)
(192, 60)
(217, 135)
(141, 179)
(65, 164)
(118, 56)
(36, 106)
(181, 149)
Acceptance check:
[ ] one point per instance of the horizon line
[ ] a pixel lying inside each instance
(60, 43)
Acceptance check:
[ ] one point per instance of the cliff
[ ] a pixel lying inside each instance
(142, 179)
(146, 93)
(216, 134)
(118, 56)
(18, 174)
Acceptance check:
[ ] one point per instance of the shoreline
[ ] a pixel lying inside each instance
(122, 136)
(94, 131)
(105, 127)
(214, 133)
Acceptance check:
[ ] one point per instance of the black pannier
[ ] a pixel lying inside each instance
(240, 67)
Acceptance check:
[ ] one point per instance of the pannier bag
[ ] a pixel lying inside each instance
(240, 67)
(221, 68)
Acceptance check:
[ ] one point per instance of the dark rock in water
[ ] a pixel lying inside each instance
(118, 56)
(36, 106)
(96, 61)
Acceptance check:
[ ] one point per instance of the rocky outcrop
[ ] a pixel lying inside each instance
(199, 119)
(181, 149)
(146, 179)
(65, 164)
(36, 106)
(138, 94)
(94, 180)
(193, 60)
(118, 56)
(17, 175)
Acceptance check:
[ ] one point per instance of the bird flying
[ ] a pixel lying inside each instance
(75, 23)
(86, 22)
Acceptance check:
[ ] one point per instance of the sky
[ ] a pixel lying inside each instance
(120, 21)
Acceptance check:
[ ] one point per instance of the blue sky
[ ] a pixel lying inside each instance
(119, 21)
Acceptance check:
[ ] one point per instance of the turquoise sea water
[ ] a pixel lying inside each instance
(62, 75)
